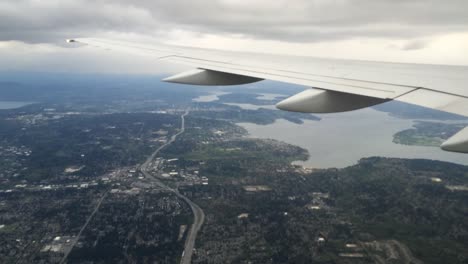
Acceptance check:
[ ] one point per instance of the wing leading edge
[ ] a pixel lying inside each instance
(341, 85)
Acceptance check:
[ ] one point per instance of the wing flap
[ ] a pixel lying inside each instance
(437, 100)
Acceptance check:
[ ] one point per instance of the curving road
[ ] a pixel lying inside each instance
(198, 215)
(198, 219)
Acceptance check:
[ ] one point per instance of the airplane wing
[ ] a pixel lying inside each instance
(339, 85)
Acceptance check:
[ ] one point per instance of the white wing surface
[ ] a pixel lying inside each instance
(340, 85)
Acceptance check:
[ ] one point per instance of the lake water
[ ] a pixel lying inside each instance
(252, 106)
(209, 98)
(214, 96)
(269, 96)
(12, 104)
(340, 140)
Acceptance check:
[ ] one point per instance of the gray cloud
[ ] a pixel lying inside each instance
(287, 20)
(414, 45)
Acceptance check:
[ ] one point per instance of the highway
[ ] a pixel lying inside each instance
(198, 215)
(144, 166)
(198, 219)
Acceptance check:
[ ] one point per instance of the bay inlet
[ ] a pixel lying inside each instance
(340, 140)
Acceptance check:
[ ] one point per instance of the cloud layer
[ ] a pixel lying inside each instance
(285, 20)
(425, 31)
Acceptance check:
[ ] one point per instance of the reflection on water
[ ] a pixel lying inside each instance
(269, 96)
(12, 104)
(252, 106)
(209, 98)
(340, 140)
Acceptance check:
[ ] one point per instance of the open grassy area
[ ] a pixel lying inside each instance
(411, 138)
(428, 134)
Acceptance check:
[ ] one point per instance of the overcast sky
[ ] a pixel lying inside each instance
(425, 31)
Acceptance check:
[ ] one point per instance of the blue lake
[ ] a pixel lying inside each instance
(13, 104)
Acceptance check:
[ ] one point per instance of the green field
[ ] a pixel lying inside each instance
(427, 134)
